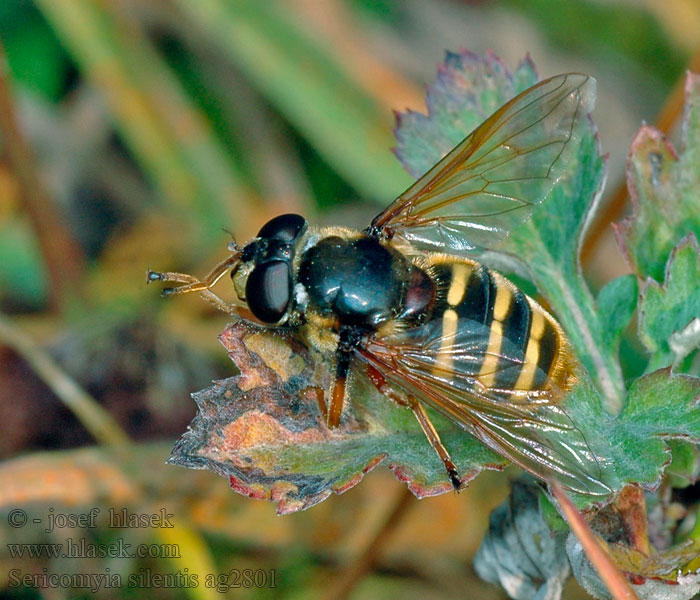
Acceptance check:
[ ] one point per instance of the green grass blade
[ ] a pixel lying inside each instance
(345, 126)
(169, 137)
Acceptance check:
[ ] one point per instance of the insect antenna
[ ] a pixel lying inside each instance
(233, 245)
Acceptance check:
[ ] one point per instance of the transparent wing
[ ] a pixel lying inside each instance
(530, 429)
(491, 181)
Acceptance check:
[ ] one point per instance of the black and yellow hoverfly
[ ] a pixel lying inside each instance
(403, 303)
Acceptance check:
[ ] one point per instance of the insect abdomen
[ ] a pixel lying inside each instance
(517, 345)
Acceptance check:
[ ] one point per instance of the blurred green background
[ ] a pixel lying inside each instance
(141, 134)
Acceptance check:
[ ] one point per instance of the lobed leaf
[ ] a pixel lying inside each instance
(660, 406)
(264, 430)
(663, 186)
(633, 447)
(670, 313)
(469, 88)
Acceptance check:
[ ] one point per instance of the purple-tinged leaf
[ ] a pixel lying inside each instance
(469, 88)
(263, 429)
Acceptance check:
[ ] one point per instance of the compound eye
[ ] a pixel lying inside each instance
(269, 290)
(285, 228)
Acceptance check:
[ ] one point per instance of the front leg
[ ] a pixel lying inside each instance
(349, 339)
(192, 283)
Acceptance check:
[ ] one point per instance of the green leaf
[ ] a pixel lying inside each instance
(669, 313)
(663, 187)
(468, 89)
(660, 406)
(685, 464)
(617, 302)
(633, 447)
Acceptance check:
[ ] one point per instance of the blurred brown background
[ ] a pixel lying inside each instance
(133, 135)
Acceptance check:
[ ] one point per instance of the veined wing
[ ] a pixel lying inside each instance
(530, 428)
(490, 182)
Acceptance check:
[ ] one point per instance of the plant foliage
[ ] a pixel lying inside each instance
(264, 430)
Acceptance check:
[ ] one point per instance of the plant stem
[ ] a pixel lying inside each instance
(614, 580)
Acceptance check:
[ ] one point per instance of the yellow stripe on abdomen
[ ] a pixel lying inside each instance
(501, 307)
(458, 285)
(444, 361)
(459, 274)
(504, 297)
(487, 375)
(532, 354)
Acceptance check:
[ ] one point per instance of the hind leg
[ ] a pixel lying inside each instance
(426, 425)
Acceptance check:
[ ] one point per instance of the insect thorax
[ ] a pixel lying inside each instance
(353, 279)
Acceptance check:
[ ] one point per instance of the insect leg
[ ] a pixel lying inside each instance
(220, 303)
(342, 366)
(348, 342)
(202, 286)
(316, 393)
(434, 439)
(426, 425)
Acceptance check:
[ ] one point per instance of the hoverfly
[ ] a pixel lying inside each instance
(403, 303)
